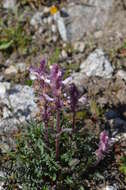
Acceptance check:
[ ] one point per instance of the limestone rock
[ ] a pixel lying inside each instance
(79, 46)
(2, 90)
(86, 17)
(121, 74)
(21, 67)
(97, 64)
(114, 187)
(19, 106)
(36, 19)
(9, 4)
(11, 71)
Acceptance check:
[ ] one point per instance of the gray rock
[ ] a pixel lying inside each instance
(22, 98)
(79, 46)
(2, 177)
(21, 67)
(2, 90)
(88, 17)
(45, 20)
(98, 34)
(79, 79)
(4, 147)
(121, 74)
(19, 106)
(46, 10)
(53, 28)
(82, 100)
(32, 76)
(114, 187)
(11, 71)
(36, 19)
(64, 54)
(97, 64)
(50, 19)
(9, 4)
(54, 38)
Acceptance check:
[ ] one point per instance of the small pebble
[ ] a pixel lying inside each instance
(4, 148)
(12, 70)
(6, 113)
(41, 30)
(121, 74)
(110, 187)
(54, 38)
(79, 47)
(45, 20)
(7, 4)
(36, 19)
(2, 90)
(64, 54)
(1, 77)
(53, 28)
(21, 67)
(46, 10)
(50, 20)
(32, 76)
(98, 34)
(64, 45)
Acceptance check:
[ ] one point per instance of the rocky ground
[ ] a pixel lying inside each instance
(87, 39)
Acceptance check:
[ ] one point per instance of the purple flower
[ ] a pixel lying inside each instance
(103, 145)
(46, 114)
(74, 95)
(39, 71)
(47, 97)
(56, 79)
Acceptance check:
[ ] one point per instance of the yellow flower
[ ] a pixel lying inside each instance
(53, 10)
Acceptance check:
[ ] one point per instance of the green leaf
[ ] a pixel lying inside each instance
(5, 45)
(40, 146)
(81, 115)
(69, 180)
(55, 57)
(82, 188)
(29, 82)
(54, 177)
(94, 108)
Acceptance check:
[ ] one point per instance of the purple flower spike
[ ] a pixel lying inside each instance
(56, 86)
(103, 145)
(56, 79)
(104, 141)
(74, 95)
(39, 71)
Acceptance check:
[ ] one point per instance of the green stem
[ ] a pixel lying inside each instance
(57, 131)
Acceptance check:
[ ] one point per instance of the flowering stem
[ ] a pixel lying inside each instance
(46, 121)
(57, 131)
(74, 95)
(46, 128)
(74, 117)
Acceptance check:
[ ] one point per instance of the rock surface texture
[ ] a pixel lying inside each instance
(9, 4)
(86, 16)
(98, 18)
(17, 106)
(97, 64)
